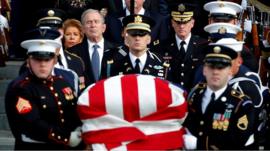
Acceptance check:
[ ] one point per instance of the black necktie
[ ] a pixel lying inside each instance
(137, 66)
(207, 102)
(95, 62)
(212, 97)
(182, 49)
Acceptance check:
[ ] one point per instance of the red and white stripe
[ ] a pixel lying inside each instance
(133, 112)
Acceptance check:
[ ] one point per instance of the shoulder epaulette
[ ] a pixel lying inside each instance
(75, 55)
(237, 94)
(121, 51)
(199, 86)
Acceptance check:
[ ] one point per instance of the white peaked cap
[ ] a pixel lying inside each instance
(222, 7)
(231, 43)
(41, 45)
(222, 28)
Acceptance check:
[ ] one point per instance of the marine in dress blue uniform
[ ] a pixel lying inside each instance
(228, 120)
(42, 110)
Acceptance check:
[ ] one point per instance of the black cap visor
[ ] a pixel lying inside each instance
(42, 55)
(222, 17)
(217, 63)
(137, 32)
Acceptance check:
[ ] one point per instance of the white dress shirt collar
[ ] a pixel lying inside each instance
(141, 12)
(142, 60)
(178, 41)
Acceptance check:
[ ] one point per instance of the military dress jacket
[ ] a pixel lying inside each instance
(227, 122)
(117, 62)
(183, 67)
(74, 62)
(41, 113)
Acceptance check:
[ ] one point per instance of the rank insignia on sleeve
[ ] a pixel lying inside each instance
(68, 93)
(242, 123)
(23, 106)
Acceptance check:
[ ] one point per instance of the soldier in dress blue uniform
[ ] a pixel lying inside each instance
(220, 117)
(135, 56)
(184, 60)
(41, 108)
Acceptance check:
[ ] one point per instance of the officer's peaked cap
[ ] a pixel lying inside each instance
(222, 9)
(51, 17)
(139, 22)
(182, 12)
(219, 56)
(41, 43)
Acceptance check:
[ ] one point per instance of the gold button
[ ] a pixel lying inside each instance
(44, 106)
(53, 134)
(55, 94)
(65, 139)
(200, 133)
(62, 120)
(59, 103)
(201, 122)
(61, 111)
(51, 88)
(59, 137)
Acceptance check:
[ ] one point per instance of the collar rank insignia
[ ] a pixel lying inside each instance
(68, 93)
(23, 106)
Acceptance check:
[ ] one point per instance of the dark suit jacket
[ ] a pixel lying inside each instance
(115, 27)
(82, 51)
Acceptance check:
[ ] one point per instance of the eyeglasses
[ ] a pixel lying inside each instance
(135, 32)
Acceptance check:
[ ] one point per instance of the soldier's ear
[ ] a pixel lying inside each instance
(148, 40)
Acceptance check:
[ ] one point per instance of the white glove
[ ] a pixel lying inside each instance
(190, 141)
(75, 137)
(247, 26)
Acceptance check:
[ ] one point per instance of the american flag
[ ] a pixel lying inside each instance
(133, 112)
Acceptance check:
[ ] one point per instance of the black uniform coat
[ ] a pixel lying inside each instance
(74, 62)
(41, 113)
(117, 62)
(183, 67)
(227, 122)
(82, 50)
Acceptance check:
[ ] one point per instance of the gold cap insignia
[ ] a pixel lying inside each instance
(222, 30)
(181, 7)
(42, 43)
(50, 13)
(242, 123)
(138, 19)
(217, 49)
(221, 5)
